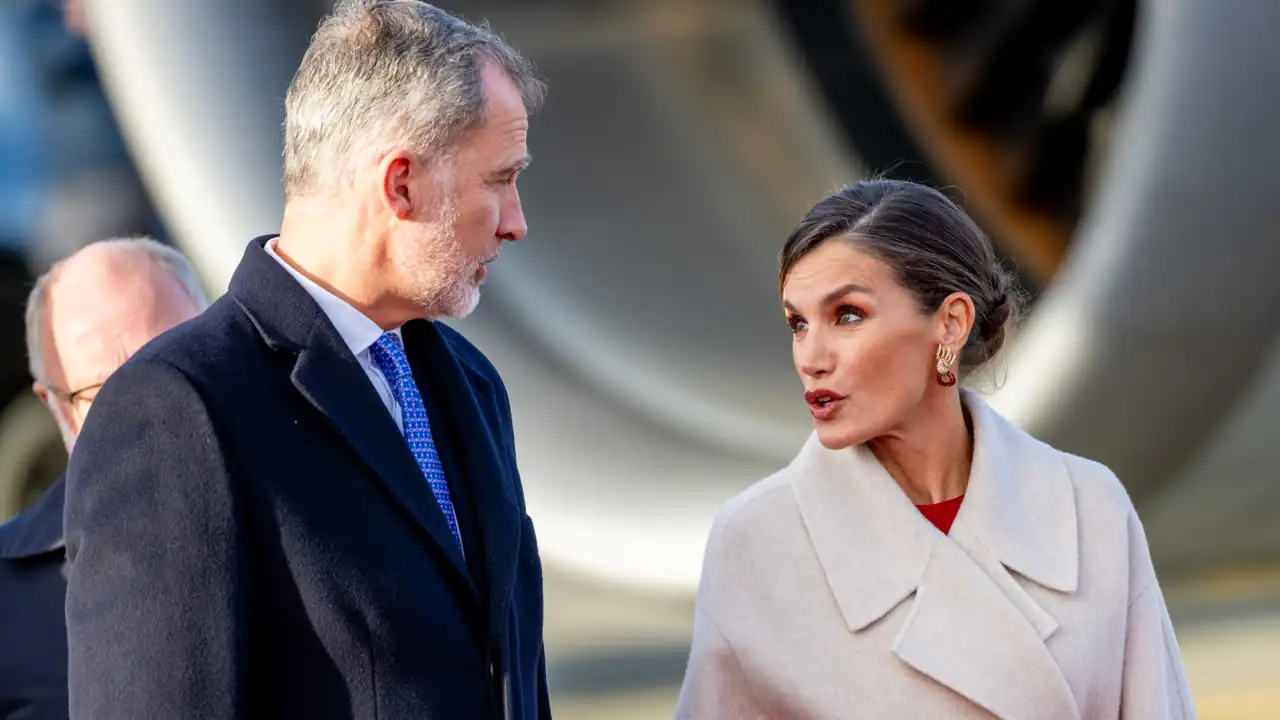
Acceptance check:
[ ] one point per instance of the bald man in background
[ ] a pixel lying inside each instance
(85, 317)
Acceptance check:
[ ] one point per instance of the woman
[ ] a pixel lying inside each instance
(921, 557)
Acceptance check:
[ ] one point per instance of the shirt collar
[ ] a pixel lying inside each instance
(355, 328)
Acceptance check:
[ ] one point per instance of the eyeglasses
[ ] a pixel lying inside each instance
(71, 397)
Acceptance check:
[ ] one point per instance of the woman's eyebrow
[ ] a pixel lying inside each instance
(834, 295)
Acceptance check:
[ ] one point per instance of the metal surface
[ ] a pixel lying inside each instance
(1167, 306)
(637, 326)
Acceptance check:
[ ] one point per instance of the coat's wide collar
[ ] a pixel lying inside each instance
(972, 626)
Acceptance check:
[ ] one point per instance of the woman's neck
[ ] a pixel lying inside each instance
(931, 453)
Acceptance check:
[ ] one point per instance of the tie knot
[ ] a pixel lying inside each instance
(390, 342)
(388, 352)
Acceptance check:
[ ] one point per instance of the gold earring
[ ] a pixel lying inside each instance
(946, 359)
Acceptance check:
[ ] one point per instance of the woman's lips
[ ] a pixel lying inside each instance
(823, 404)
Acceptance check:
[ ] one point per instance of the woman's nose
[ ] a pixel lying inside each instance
(813, 358)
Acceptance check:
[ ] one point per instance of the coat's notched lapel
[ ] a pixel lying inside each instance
(971, 626)
(872, 559)
(356, 412)
(499, 513)
(329, 377)
(965, 633)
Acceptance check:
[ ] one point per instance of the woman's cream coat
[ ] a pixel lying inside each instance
(826, 594)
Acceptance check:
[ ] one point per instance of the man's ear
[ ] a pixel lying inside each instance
(40, 391)
(397, 171)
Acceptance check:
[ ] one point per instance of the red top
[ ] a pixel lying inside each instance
(942, 514)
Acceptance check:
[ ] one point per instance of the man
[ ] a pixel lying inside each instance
(85, 317)
(333, 524)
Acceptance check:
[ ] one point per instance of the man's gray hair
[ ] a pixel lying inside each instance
(162, 255)
(381, 74)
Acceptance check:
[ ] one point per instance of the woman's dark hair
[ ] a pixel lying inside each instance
(933, 246)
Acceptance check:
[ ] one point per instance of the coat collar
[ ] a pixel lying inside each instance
(38, 530)
(874, 544)
(1021, 502)
(355, 328)
(281, 310)
(877, 550)
(327, 375)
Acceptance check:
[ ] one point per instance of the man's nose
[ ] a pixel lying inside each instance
(511, 222)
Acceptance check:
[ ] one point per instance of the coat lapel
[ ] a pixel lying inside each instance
(971, 626)
(963, 632)
(463, 395)
(328, 376)
(870, 540)
(1020, 502)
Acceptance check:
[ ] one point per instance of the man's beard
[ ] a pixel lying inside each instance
(444, 275)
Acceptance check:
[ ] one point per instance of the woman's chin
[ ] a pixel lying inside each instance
(838, 438)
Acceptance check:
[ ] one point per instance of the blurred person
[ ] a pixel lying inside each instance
(306, 503)
(840, 586)
(65, 175)
(91, 188)
(75, 17)
(23, 155)
(85, 317)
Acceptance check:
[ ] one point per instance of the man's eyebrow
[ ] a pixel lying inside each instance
(518, 165)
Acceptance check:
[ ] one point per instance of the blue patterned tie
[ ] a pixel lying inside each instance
(389, 353)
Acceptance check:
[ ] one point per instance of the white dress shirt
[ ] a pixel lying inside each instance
(356, 330)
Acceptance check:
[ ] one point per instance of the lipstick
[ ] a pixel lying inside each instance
(823, 403)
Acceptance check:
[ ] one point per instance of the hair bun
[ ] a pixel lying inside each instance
(1002, 301)
(1003, 307)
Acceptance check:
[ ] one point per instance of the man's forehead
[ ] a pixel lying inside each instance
(110, 296)
(89, 337)
(510, 128)
(504, 103)
(102, 263)
(95, 283)
(495, 146)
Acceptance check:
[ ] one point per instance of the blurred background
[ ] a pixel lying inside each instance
(1121, 153)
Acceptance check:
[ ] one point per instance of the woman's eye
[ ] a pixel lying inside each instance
(797, 324)
(846, 315)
